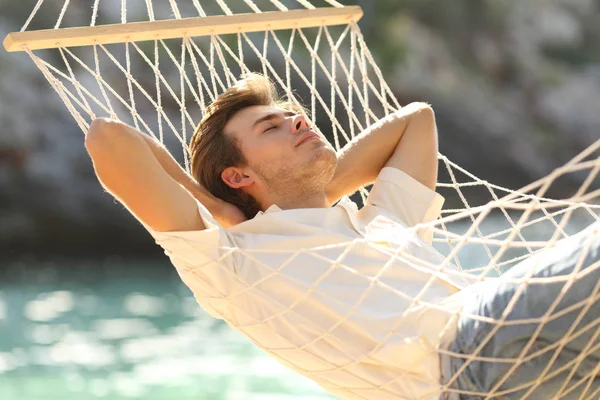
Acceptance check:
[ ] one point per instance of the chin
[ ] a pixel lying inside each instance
(324, 161)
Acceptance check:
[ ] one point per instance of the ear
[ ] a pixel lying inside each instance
(236, 178)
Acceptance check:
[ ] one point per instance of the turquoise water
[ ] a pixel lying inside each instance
(119, 329)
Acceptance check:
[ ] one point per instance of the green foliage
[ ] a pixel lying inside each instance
(574, 56)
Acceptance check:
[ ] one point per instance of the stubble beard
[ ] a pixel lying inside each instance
(297, 181)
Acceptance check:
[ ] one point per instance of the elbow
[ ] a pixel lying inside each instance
(97, 128)
(103, 135)
(425, 117)
(416, 110)
(428, 116)
(425, 110)
(98, 134)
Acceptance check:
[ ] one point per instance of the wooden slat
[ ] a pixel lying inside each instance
(187, 27)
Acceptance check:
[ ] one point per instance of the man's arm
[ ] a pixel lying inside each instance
(141, 173)
(406, 140)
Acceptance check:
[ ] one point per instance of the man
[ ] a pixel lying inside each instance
(358, 301)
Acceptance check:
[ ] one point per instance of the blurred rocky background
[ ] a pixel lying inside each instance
(515, 85)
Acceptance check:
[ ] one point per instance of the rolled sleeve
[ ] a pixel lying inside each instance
(200, 260)
(191, 246)
(207, 218)
(410, 201)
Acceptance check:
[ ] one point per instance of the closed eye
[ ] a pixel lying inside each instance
(270, 128)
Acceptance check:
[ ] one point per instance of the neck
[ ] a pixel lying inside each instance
(306, 200)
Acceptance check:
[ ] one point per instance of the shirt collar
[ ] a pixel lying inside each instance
(271, 209)
(344, 202)
(348, 204)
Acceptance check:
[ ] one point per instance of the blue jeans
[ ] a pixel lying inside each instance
(575, 363)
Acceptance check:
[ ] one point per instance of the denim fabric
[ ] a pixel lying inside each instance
(580, 378)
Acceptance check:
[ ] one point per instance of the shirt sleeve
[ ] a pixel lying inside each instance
(407, 199)
(199, 259)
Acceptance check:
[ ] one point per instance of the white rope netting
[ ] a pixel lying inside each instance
(162, 86)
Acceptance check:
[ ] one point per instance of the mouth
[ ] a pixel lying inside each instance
(307, 136)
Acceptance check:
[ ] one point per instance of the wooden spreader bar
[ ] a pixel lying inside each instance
(187, 27)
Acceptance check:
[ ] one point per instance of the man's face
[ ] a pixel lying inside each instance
(284, 154)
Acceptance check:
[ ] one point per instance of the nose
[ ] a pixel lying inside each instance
(299, 123)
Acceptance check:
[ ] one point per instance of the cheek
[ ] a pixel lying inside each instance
(272, 150)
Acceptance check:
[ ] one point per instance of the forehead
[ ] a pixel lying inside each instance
(244, 119)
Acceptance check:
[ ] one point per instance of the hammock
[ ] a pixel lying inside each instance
(159, 73)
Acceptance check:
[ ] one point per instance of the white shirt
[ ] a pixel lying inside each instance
(357, 301)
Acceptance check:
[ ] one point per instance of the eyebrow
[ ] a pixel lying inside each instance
(271, 116)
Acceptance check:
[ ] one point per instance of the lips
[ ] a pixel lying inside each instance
(306, 136)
